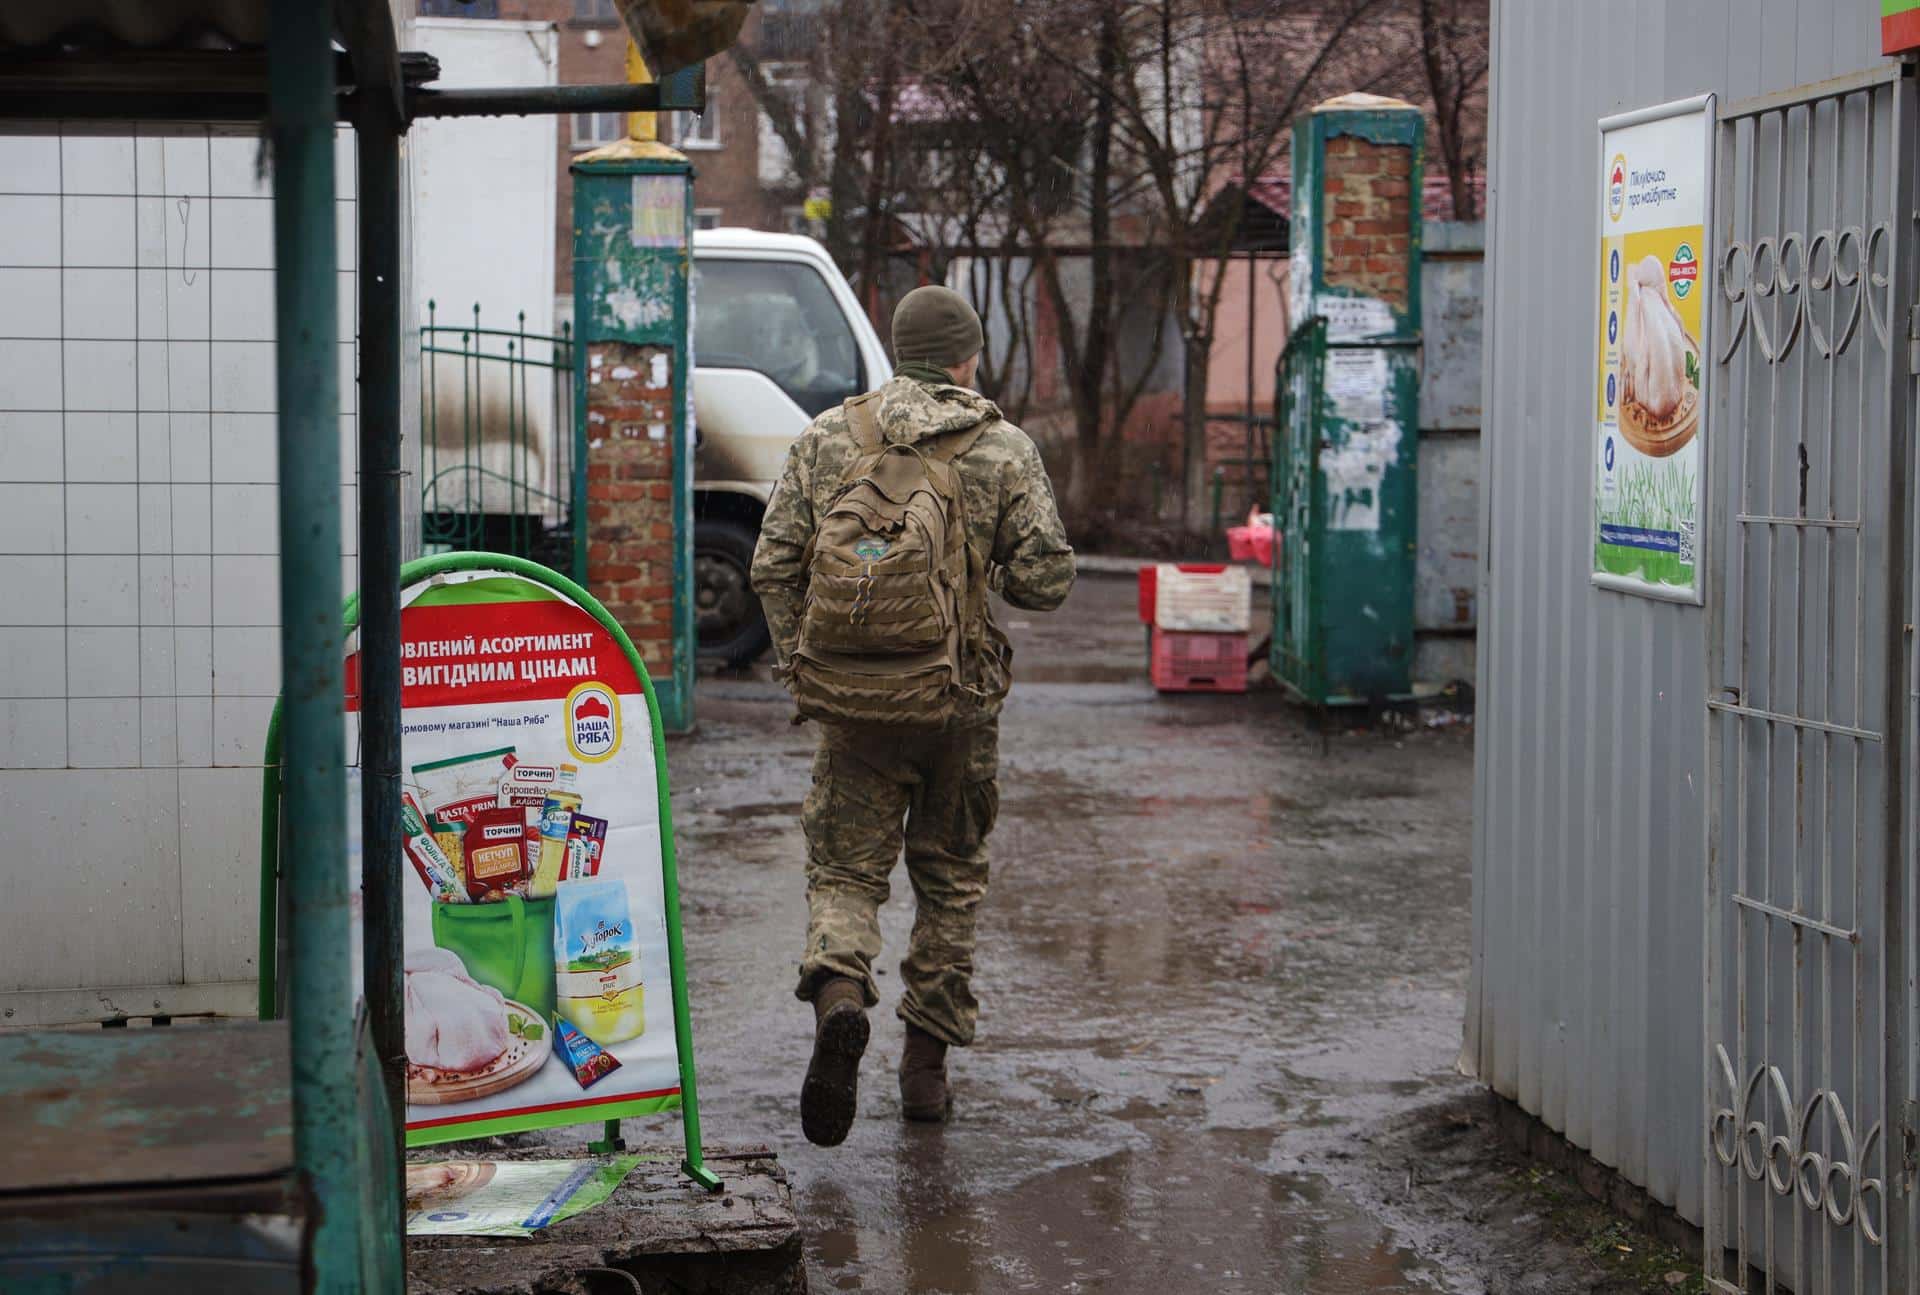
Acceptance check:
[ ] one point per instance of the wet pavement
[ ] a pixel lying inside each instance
(1216, 950)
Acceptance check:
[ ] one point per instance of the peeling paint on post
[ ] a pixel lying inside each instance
(1347, 464)
(632, 258)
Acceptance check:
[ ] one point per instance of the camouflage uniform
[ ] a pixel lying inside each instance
(874, 790)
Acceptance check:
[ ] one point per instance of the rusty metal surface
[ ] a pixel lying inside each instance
(1447, 563)
(1446, 577)
(1452, 296)
(109, 1109)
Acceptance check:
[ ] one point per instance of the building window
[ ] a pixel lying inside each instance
(706, 218)
(459, 8)
(592, 129)
(697, 130)
(595, 11)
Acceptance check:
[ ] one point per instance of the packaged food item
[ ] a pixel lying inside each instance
(589, 1061)
(529, 785)
(496, 853)
(596, 955)
(452, 791)
(428, 859)
(586, 839)
(453, 843)
(556, 816)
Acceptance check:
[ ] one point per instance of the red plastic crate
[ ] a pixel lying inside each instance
(1195, 662)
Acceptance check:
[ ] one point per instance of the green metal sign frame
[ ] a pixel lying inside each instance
(688, 1099)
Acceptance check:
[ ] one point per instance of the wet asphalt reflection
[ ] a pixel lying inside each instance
(1213, 949)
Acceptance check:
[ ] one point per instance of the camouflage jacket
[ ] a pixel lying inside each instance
(1011, 517)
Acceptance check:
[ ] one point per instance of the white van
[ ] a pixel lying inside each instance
(778, 337)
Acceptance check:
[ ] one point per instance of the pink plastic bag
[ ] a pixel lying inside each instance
(1253, 542)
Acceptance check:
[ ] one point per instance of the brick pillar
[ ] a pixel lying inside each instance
(630, 513)
(632, 246)
(1369, 218)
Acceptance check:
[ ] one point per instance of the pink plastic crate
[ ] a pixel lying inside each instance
(1186, 661)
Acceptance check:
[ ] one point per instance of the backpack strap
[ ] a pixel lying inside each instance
(948, 446)
(862, 424)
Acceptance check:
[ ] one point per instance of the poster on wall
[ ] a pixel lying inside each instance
(538, 985)
(1651, 389)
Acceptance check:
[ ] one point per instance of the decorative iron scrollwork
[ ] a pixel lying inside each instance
(1753, 271)
(1836, 1186)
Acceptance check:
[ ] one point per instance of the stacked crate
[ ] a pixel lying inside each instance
(1197, 616)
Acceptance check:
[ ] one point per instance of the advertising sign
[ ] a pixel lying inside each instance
(1650, 393)
(541, 972)
(1899, 26)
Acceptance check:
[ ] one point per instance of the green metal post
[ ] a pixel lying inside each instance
(1349, 483)
(325, 1079)
(378, 138)
(631, 287)
(270, 881)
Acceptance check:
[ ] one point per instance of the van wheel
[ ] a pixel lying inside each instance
(730, 625)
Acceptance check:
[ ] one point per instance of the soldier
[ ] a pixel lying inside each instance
(877, 786)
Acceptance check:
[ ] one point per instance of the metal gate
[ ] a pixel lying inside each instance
(501, 457)
(1807, 1072)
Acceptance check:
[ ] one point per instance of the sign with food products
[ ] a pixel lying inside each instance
(1650, 391)
(539, 981)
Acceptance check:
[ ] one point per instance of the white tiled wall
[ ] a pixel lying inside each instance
(139, 586)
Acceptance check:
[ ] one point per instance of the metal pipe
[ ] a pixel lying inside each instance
(521, 101)
(307, 365)
(379, 286)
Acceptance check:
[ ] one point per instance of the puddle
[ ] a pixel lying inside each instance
(1190, 1214)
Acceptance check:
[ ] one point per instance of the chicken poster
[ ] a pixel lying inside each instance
(1649, 461)
(539, 986)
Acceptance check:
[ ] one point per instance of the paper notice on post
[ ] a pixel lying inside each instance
(1350, 319)
(1357, 384)
(506, 1198)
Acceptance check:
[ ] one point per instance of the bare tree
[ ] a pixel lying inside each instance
(1093, 159)
(1454, 52)
(1203, 107)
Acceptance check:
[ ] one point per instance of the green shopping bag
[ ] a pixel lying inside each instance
(507, 944)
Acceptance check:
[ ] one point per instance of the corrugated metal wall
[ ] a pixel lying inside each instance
(1586, 1006)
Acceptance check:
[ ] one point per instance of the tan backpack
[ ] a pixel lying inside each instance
(896, 599)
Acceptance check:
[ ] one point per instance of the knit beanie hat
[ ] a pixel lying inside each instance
(936, 325)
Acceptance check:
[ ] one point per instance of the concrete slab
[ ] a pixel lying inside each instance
(657, 1233)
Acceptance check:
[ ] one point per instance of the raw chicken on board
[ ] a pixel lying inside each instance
(1659, 402)
(452, 1022)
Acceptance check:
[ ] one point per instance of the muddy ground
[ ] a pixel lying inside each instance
(1222, 968)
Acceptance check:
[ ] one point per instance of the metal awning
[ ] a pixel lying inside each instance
(206, 60)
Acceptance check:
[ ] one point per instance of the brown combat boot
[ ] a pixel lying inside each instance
(827, 1097)
(924, 1094)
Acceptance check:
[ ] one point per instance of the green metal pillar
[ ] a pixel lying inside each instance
(301, 114)
(1347, 437)
(377, 140)
(632, 260)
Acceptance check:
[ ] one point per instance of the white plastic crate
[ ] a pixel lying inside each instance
(1213, 602)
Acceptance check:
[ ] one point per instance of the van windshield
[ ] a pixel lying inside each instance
(778, 318)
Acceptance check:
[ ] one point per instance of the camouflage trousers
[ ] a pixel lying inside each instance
(873, 793)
